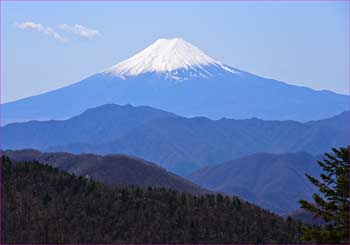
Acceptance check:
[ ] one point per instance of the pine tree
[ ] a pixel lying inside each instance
(332, 202)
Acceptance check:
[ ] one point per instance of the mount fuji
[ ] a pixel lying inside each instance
(174, 75)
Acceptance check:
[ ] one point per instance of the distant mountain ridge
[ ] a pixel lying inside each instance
(176, 76)
(178, 144)
(101, 124)
(110, 169)
(274, 181)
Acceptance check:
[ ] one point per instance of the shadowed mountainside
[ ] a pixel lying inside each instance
(110, 169)
(305, 217)
(273, 181)
(178, 144)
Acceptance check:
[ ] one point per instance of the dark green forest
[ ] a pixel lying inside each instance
(42, 204)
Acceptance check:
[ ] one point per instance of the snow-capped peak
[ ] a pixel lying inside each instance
(168, 56)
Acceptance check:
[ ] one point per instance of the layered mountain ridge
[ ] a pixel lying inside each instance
(274, 181)
(178, 144)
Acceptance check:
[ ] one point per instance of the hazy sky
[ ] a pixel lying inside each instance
(47, 45)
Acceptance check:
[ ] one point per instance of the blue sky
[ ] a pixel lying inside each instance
(303, 43)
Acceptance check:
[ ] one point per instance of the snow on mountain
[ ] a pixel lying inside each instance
(175, 58)
(175, 76)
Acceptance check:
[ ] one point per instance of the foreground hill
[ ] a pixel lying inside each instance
(44, 205)
(274, 181)
(178, 144)
(110, 169)
(174, 75)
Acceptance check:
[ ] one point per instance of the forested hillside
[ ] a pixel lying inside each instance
(110, 169)
(42, 204)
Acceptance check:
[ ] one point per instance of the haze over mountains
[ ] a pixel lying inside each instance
(179, 144)
(273, 181)
(174, 75)
(171, 104)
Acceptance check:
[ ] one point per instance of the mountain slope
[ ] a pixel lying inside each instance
(43, 205)
(176, 76)
(110, 169)
(101, 124)
(179, 144)
(274, 181)
(305, 217)
(174, 58)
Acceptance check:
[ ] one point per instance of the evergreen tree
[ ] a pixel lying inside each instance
(332, 202)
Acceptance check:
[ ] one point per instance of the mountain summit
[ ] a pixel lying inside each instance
(175, 58)
(155, 77)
